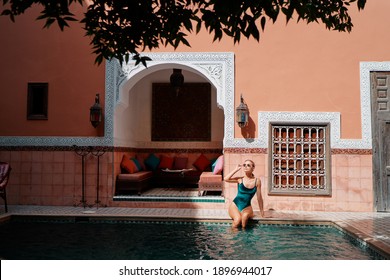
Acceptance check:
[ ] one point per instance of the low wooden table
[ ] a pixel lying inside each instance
(210, 182)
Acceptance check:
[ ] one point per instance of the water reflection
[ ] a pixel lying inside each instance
(162, 241)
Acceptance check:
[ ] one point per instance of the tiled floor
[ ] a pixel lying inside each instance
(373, 228)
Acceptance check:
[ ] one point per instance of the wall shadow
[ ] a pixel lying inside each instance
(249, 131)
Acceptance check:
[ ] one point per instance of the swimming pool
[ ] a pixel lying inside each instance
(118, 240)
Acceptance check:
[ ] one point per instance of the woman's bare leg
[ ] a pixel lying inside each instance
(246, 214)
(235, 214)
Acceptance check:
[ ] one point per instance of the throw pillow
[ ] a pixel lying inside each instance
(218, 166)
(166, 162)
(141, 160)
(137, 163)
(213, 161)
(201, 163)
(152, 162)
(180, 163)
(128, 165)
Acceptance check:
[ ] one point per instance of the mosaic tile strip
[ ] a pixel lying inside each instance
(351, 152)
(53, 148)
(177, 151)
(169, 199)
(265, 151)
(55, 141)
(246, 150)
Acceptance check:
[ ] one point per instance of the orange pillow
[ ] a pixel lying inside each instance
(166, 162)
(202, 162)
(128, 165)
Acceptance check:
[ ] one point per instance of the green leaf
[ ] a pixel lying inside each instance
(263, 21)
(49, 22)
(99, 59)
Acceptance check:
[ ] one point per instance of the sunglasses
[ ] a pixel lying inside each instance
(247, 165)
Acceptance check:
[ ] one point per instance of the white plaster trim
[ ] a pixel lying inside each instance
(332, 118)
(265, 118)
(365, 88)
(216, 67)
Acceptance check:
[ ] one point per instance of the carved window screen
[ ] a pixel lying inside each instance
(299, 160)
(181, 116)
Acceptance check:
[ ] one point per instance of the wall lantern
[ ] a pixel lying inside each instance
(242, 114)
(177, 79)
(95, 112)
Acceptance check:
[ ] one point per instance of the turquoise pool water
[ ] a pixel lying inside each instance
(121, 240)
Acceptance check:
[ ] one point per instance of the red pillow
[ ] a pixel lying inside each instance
(128, 165)
(166, 162)
(202, 163)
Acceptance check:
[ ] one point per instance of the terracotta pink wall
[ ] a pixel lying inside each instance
(351, 177)
(63, 59)
(294, 66)
(299, 67)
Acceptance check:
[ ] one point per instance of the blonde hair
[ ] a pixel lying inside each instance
(251, 161)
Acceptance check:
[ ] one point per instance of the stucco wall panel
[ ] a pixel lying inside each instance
(350, 177)
(64, 60)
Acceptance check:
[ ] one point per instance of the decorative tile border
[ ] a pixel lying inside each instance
(168, 199)
(246, 150)
(265, 151)
(53, 148)
(351, 151)
(55, 141)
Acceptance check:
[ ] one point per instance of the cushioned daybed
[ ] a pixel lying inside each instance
(140, 181)
(161, 172)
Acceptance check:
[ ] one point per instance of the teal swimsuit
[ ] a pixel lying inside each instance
(244, 196)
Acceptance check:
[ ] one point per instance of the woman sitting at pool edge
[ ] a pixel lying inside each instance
(240, 210)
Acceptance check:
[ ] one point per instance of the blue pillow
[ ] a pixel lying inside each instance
(152, 162)
(213, 163)
(137, 163)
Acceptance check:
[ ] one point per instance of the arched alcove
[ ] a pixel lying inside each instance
(132, 87)
(133, 114)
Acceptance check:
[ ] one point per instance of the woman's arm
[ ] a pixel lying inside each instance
(229, 177)
(260, 197)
